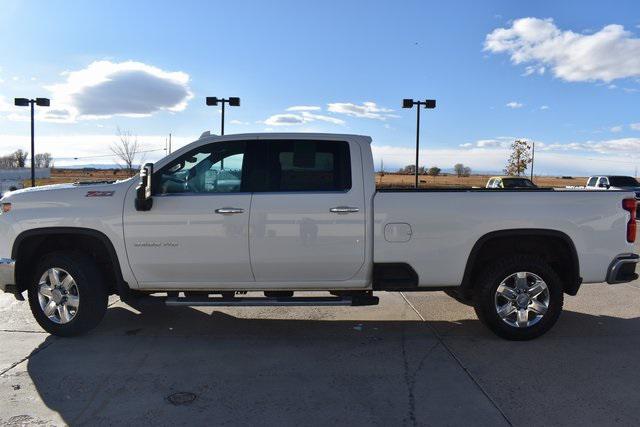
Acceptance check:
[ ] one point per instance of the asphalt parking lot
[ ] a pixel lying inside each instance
(416, 359)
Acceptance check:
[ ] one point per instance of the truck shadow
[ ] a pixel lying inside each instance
(312, 372)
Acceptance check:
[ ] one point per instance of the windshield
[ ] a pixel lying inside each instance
(517, 182)
(623, 181)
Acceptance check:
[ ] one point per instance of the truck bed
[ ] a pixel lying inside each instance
(435, 230)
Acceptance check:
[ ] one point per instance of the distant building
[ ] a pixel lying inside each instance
(15, 177)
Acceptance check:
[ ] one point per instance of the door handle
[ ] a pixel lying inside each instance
(229, 211)
(344, 209)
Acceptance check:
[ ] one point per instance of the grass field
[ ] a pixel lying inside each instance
(450, 181)
(388, 180)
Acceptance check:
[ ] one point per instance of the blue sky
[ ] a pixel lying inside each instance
(563, 74)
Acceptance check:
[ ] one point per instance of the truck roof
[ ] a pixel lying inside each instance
(289, 135)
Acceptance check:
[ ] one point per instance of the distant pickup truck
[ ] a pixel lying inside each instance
(510, 182)
(615, 182)
(282, 213)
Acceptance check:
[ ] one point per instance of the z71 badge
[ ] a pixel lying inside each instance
(99, 193)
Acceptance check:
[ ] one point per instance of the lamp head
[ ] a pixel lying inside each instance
(21, 102)
(430, 103)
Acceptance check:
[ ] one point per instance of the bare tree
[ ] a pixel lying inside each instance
(20, 158)
(44, 160)
(7, 162)
(127, 150)
(520, 158)
(434, 171)
(461, 170)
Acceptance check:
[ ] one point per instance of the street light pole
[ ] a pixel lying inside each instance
(33, 152)
(24, 102)
(409, 103)
(417, 142)
(222, 120)
(232, 101)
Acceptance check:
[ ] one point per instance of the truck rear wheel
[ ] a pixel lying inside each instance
(66, 294)
(519, 298)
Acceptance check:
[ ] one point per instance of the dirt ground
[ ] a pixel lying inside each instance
(388, 180)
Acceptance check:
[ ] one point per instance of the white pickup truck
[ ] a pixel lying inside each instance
(279, 213)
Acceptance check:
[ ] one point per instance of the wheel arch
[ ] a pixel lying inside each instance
(527, 240)
(36, 242)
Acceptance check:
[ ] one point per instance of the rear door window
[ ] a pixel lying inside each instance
(304, 166)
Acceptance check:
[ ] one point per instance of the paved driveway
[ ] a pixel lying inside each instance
(416, 359)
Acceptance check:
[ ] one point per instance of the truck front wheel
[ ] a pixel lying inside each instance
(66, 294)
(519, 298)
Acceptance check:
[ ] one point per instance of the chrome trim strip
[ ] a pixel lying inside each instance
(263, 302)
(7, 272)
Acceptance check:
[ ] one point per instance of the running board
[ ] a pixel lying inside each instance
(271, 302)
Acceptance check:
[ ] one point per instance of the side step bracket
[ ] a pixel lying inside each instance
(270, 302)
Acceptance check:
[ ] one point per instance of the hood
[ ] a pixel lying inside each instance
(43, 191)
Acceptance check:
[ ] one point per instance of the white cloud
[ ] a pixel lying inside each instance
(529, 70)
(635, 126)
(367, 110)
(609, 54)
(311, 117)
(284, 120)
(298, 119)
(304, 108)
(105, 89)
(499, 142)
(238, 122)
(514, 104)
(5, 105)
(544, 107)
(628, 146)
(616, 129)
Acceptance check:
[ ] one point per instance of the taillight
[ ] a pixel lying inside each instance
(630, 205)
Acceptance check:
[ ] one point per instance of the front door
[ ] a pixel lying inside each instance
(308, 217)
(196, 234)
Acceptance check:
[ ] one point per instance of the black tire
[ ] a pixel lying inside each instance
(490, 279)
(92, 293)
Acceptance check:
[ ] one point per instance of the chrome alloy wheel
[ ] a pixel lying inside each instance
(58, 295)
(522, 299)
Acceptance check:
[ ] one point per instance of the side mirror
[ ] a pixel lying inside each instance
(144, 201)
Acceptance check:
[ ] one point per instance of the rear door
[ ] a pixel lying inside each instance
(307, 213)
